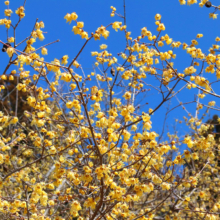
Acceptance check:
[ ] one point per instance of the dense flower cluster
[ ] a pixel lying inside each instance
(92, 153)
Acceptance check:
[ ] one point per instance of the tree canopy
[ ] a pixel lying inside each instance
(80, 144)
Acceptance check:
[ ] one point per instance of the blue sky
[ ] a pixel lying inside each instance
(182, 24)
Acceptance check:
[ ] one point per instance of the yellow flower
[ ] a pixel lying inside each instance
(126, 135)
(76, 64)
(190, 2)
(76, 206)
(113, 8)
(76, 30)
(199, 35)
(41, 24)
(1, 158)
(116, 25)
(202, 194)
(187, 140)
(212, 103)
(72, 86)
(69, 104)
(20, 12)
(165, 186)
(90, 203)
(96, 36)
(80, 24)
(96, 106)
(84, 35)
(4, 77)
(103, 47)
(14, 120)
(70, 17)
(133, 127)
(144, 31)
(157, 17)
(190, 70)
(44, 51)
(145, 117)
(74, 16)
(105, 34)
(127, 95)
(8, 12)
(212, 15)
(10, 51)
(195, 156)
(95, 53)
(52, 150)
(160, 43)
(51, 202)
(161, 27)
(64, 60)
(41, 114)
(11, 40)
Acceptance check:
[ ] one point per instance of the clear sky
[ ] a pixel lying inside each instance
(182, 24)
